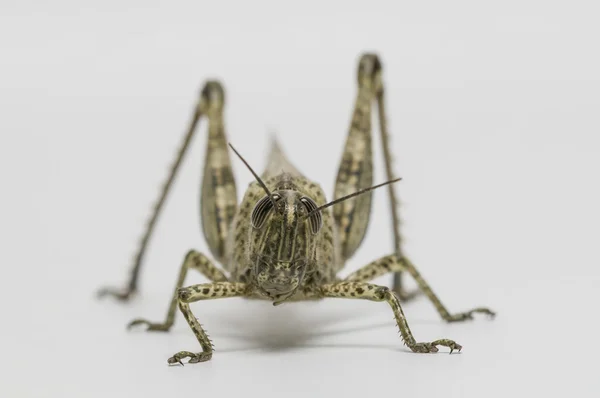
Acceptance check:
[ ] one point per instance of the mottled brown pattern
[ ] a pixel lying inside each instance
(271, 246)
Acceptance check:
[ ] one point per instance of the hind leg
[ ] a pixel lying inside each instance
(356, 168)
(392, 263)
(218, 198)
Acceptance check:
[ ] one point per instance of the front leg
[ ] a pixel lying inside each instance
(205, 291)
(392, 263)
(193, 260)
(368, 291)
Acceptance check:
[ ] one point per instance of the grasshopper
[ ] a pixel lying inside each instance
(285, 242)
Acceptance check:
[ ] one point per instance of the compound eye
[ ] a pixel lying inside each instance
(262, 210)
(315, 219)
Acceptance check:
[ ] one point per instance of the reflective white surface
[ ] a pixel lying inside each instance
(493, 111)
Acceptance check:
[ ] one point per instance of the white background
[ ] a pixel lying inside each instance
(493, 108)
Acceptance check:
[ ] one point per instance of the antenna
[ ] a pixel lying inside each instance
(262, 184)
(343, 198)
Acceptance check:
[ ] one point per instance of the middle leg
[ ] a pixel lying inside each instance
(368, 291)
(193, 260)
(392, 263)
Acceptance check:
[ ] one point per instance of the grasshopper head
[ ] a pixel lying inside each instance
(285, 225)
(285, 240)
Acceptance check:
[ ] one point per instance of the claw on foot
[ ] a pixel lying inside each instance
(486, 311)
(156, 327)
(463, 316)
(194, 357)
(119, 294)
(424, 348)
(432, 347)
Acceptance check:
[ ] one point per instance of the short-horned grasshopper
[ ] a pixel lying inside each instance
(284, 241)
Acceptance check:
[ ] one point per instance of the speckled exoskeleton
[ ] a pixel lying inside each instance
(284, 241)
